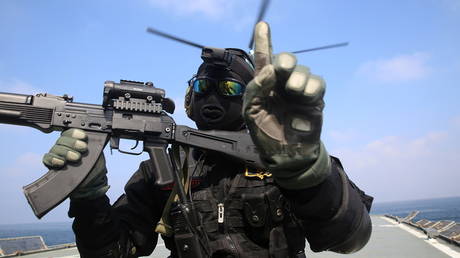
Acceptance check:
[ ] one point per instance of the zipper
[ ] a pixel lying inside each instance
(224, 228)
(222, 216)
(220, 213)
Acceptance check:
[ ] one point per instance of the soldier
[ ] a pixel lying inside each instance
(304, 194)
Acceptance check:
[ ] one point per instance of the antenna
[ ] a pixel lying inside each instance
(169, 36)
(262, 11)
(343, 44)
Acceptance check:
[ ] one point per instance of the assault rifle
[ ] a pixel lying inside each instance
(130, 110)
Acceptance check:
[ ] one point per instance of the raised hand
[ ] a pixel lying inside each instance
(282, 107)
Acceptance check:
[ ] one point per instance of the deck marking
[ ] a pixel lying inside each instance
(387, 226)
(433, 242)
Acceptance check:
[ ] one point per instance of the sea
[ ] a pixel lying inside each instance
(431, 209)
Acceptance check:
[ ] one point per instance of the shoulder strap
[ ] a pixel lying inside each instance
(163, 226)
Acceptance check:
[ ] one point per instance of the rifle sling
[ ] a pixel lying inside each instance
(163, 226)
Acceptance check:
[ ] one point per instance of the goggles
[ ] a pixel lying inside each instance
(223, 87)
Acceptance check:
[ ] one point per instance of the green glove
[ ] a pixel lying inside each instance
(68, 149)
(282, 107)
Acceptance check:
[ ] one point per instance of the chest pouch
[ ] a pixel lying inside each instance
(276, 204)
(255, 209)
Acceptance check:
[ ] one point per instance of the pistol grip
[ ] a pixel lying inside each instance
(161, 163)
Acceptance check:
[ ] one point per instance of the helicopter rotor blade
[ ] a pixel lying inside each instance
(262, 11)
(169, 36)
(343, 44)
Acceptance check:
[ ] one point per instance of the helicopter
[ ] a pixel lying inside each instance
(213, 52)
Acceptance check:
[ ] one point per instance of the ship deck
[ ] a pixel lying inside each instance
(389, 239)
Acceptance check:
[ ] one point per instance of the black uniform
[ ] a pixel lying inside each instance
(241, 216)
(260, 219)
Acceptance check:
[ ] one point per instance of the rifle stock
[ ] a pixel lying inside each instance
(130, 110)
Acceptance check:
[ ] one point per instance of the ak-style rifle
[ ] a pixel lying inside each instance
(130, 110)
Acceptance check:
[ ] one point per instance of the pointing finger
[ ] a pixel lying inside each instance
(263, 46)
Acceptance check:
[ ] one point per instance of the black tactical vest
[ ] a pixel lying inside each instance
(244, 215)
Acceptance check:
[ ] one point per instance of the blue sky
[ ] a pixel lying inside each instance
(391, 115)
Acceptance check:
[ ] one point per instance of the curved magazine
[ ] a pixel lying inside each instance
(56, 185)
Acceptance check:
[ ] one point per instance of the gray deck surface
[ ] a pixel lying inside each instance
(388, 240)
(392, 240)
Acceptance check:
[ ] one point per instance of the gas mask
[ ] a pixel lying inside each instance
(214, 96)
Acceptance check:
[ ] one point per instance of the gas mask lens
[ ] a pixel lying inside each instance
(230, 88)
(224, 87)
(200, 85)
